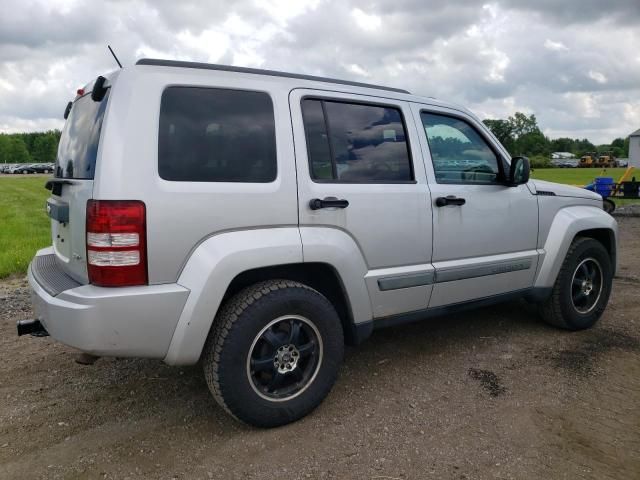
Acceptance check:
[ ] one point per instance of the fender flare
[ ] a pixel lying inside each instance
(219, 259)
(568, 223)
(209, 271)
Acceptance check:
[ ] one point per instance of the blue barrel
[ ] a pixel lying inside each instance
(604, 186)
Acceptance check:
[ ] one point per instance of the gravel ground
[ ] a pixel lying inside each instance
(486, 394)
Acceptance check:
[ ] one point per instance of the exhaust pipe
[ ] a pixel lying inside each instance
(31, 327)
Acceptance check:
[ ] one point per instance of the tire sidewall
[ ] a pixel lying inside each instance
(235, 387)
(574, 319)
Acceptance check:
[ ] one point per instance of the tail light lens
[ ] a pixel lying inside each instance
(116, 243)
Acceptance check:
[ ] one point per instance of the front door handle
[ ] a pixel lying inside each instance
(449, 200)
(328, 202)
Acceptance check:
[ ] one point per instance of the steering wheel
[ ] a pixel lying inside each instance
(471, 172)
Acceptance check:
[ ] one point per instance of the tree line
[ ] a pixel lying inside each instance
(33, 147)
(521, 135)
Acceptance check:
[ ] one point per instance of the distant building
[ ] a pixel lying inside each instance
(634, 149)
(561, 155)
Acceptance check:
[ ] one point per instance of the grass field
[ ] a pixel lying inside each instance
(577, 176)
(24, 226)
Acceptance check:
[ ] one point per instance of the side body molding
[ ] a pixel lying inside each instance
(211, 268)
(566, 224)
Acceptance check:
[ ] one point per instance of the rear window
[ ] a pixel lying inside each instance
(216, 135)
(78, 148)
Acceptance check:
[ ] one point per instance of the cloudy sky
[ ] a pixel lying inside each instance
(574, 63)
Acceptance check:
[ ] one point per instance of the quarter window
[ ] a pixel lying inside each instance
(216, 135)
(458, 152)
(349, 142)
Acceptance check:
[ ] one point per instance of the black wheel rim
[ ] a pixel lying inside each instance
(284, 358)
(586, 285)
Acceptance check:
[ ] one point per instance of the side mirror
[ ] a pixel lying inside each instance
(519, 171)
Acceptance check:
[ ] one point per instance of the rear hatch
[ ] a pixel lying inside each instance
(72, 185)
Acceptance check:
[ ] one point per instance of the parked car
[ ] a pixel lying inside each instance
(7, 167)
(24, 169)
(42, 167)
(566, 162)
(270, 218)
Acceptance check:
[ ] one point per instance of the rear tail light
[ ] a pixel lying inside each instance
(116, 243)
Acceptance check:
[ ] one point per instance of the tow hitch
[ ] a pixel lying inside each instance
(31, 327)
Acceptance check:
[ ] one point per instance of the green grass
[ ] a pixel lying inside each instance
(24, 225)
(584, 176)
(577, 176)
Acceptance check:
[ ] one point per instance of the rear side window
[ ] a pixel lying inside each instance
(216, 135)
(356, 143)
(78, 147)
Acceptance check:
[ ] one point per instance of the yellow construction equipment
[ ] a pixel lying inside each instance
(607, 160)
(588, 160)
(598, 160)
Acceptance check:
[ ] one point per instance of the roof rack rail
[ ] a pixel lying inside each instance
(257, 71)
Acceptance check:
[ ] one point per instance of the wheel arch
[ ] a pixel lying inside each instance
(569, 223)
(322, 277)
(606, 237)
(225, 263)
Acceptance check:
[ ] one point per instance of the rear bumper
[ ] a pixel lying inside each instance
(126, 322)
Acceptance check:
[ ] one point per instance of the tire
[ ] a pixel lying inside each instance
(569, 306)
(608, 205)
(251, 329)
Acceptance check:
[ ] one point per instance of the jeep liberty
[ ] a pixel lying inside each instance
(257, 221)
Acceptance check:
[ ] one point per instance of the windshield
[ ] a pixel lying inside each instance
(78, 146)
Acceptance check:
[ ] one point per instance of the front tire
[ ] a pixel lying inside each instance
(581, 291)
(273, 353)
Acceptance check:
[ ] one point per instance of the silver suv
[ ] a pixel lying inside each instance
(257, 221)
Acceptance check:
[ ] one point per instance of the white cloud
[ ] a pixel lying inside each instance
(366, 21)
(358, 70)
(597, 76)
(499, 61)
(555, 46)
(585, 104)
(509, 55)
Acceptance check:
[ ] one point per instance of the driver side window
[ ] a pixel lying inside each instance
(458, 152)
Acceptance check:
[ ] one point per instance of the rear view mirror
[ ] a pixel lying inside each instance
(519, 171)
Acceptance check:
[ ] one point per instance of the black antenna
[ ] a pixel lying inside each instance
(114, 55)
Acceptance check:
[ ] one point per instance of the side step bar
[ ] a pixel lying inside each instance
(31, 327)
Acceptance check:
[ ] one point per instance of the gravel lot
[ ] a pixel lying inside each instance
(487, 394)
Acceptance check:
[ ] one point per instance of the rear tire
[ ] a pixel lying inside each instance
(273, 353)
(581, 291)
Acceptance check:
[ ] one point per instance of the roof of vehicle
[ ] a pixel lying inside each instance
(257, 71)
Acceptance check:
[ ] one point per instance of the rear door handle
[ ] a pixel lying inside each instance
(327, 202)
(449, 200)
